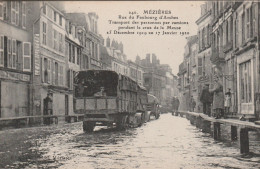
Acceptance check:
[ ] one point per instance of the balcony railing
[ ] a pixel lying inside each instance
(217, 55)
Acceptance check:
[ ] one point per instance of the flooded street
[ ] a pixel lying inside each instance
(170, 142)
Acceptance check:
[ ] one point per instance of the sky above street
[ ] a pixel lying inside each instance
(168, 48)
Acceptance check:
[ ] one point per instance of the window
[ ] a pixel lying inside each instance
(248, 19)
(13, 12)
(70, 52)
(1, 10)
(243, 27)
(56, 74)
(245, 82)
(199, 40)
(45, 70)
(67, 49)
(60, 20)
(78, 55)
(55, 39)
(44, 32)
(203, 38)
(9, 53)
(44, 9)
(26, 56)
(14, 51)
(55, 16)
(60, 42)
(1, 51)
(92, 50)
(254, 16)
(236, 32)
(231, 29)
(61, 76)
(227, 32)
(23, 14)
(49, 71)
(208, 36)
(96, 51)
(200, 66)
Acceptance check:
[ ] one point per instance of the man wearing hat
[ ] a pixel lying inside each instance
(218, 97)
(48, 109)
(206, 99)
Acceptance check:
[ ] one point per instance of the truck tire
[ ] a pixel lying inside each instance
(122, 122)
(88, 126)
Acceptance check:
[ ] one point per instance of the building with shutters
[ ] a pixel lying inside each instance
(243, 65)
(188, 82)
(15, 60)
(113, 58)
(74, 45)
(204, 66)
(93, 40)
(135, 71)
(47, 25)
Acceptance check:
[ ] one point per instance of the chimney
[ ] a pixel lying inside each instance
(108, 42)
(121, 47)
(148, 58)
(154, 60)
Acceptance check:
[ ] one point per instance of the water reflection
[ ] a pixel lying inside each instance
(170, 142)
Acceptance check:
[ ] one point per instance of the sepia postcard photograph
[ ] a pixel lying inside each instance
(130, 84)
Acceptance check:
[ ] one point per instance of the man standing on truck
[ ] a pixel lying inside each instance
(101, 92)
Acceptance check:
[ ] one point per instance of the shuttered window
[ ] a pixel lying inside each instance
(44, 33)
(26, 56)
(23, 14)
(14, 53)
(9, 53)
(61, 76)
(49, 71)
(1, 10)
(200, 66)
(1, 51)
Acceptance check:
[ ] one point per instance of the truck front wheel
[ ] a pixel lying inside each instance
(88, 126)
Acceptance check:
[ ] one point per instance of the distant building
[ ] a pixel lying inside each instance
(74, 58)
(93, 39)
(188, 74)
(136, 71)
(158, 78)
(113, 58)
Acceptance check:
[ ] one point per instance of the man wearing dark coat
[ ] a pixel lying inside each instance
(174, 104)
(177, 103)
(206, 99)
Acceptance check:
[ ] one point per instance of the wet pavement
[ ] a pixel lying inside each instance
(169, 142)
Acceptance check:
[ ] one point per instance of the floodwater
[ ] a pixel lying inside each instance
(169, 142)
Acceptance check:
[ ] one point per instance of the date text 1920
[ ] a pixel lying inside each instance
(157, 12)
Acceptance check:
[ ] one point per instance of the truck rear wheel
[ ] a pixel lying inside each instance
(88, 126)
(122, 122)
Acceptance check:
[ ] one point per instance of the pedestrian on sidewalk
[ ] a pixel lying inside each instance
(206, 100)
(173, 104)
(192, 104)
(48, 108)
(177, 104)
(227, 103)
(218, 98)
